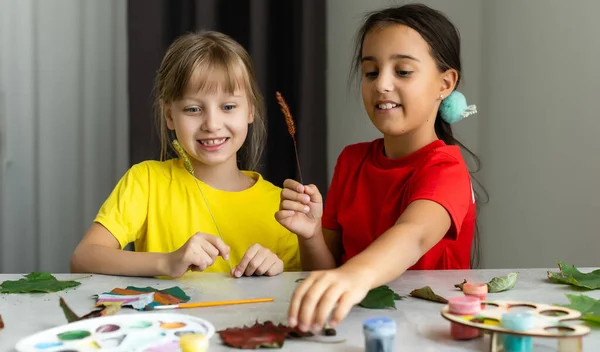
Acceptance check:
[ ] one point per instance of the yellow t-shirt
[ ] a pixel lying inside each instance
(158, 206)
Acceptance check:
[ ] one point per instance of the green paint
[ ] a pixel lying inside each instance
(73, 335)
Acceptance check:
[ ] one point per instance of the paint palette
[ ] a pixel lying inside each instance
(149, 332)
(550, 322)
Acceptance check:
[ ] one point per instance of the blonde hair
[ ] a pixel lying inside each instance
(199, 54)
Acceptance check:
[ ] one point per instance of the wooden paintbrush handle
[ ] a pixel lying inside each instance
(224, 303)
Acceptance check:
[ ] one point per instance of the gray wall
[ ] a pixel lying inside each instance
(64, 126)
(531, 68)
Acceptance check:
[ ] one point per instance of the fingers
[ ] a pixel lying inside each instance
(325, 307)
(255, 263)
(294, 206)
(276, 268)
(293, 185)
(297, 297)
(199, 261)
(344, 306)
(243, 264)
(313, 192)
(283, 214)
(310, 300)
(219, 245)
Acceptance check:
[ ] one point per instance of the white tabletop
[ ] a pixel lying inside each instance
(420, 325)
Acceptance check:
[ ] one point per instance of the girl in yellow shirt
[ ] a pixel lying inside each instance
(200, 211)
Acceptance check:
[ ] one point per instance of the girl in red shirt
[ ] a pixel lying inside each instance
(404, 201)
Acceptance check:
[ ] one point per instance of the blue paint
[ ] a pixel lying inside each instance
(379, 334)
(46, 345)
(518, 322)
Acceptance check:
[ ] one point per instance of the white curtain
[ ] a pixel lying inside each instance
(63, 124)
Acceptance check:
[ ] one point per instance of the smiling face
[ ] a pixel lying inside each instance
(211, 120)
(401, 84)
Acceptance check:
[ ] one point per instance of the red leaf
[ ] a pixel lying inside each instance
(259, 335)
(1, 323)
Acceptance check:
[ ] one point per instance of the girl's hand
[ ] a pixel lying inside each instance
(197, 254)
(258, 260)
(300, 209)
(317, 296)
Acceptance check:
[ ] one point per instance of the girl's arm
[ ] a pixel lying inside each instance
(322, 251)
(100, 252)
(419, 228)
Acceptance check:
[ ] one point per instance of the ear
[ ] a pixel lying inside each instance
(167, 114)
(251, 116)
(449, 79)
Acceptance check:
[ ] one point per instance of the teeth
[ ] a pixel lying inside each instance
(213, 141)
(387, 106)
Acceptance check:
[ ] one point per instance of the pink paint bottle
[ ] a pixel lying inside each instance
(476, 289)
(464, 305)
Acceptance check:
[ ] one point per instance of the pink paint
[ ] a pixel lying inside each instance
(476, 289)
(464, 305)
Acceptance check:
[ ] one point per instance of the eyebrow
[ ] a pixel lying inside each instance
(392, 57)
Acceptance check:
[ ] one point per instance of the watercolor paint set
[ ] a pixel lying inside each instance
(149, 332)
(513, 325)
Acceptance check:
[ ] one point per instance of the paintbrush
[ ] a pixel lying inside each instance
(208, 304)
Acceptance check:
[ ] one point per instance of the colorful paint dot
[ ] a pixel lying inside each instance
(45, 345)
(73, 335)
(108, 328)
(141, 325)
(172, 325)
(186, 332)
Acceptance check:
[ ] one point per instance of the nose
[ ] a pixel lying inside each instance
(384, 82)
(212, 121)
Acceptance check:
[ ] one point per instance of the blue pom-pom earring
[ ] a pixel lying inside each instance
(454, 108)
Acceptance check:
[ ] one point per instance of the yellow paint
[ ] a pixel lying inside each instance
(193, 343)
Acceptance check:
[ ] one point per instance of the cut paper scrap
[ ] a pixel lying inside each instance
(140, 297)
(72, 316)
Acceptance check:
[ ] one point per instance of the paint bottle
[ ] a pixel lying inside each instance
(476, 289)
(464, 306)
(379, 334)
(518, 321)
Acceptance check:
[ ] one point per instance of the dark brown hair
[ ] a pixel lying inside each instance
(444, 43)
(200, 54)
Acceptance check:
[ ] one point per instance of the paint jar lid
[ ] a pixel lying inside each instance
(475, 288)
(379, 326)
(518, 321)
(464, 305)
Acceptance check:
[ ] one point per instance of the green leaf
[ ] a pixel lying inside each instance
(497, 284)
(428, 294)
(588, 306)
(36, 282)
(502, 283)
(570, 275)
(381, 297)
(300, 279)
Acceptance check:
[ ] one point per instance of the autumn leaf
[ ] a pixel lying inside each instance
(259, 335)
(428, 294)
(380, 298)
(1, 323)
(588, 306)
(497, 284)
(36, 282)
(570, 275)
(104, 311)
(502, 283)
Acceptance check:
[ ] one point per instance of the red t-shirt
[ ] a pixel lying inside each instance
(369, 192)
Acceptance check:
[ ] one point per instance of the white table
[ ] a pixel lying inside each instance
(420, 325)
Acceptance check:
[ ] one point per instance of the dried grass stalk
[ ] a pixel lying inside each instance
(291, 127)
